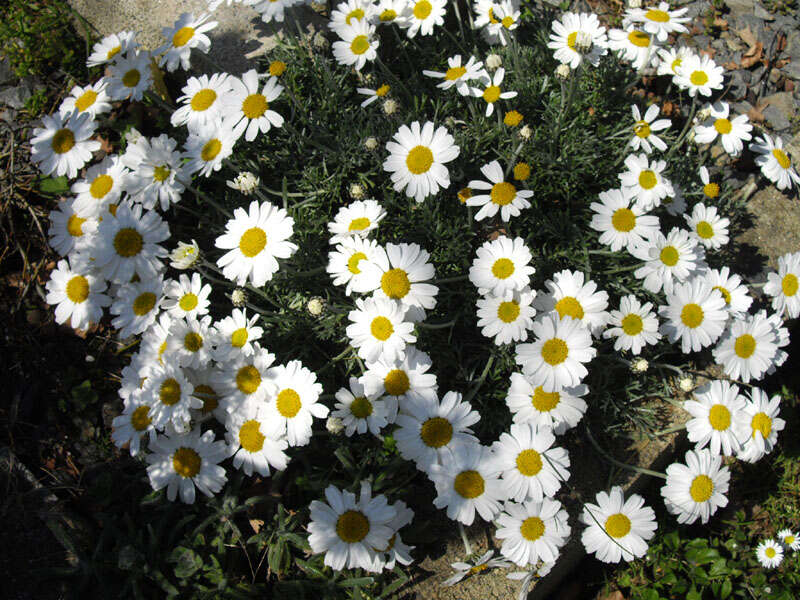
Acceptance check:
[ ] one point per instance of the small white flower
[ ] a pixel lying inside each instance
(184, 256)
(245, 182)
(769, 554)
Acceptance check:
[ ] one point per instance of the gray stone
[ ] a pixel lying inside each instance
(740, 6)
(741, 108)
(776, 119)
(6, 74)
(16, 96)
(763, 13)
(695, 9)
(792, 70)
(783, 102)
(701, 41)
(738, 84)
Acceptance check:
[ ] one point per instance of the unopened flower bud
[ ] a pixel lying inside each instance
(370, 143)
(494, 61)
(390, 107)
(334, 425)
(356, 191)
(562, 72)
(238, 297)
(185, 255)
(526, 132)
(640, 365)
(686, 384)
(316, 306)
(245, 182)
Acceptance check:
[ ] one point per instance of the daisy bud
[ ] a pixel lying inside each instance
(390, 107)
(562, 72)
(238, 297)
(493, 61)
(316, 306)
(686, 384)
(357, 191)
(185, 255)
(245, 182)
(370, 143)
(640, 365)
(320, 41)
(634, 3)
(583, 42)
(334, 425)
(704, 114)
(525, 133)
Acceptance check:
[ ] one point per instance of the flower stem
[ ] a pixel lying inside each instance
(619, 464)
(467, 547)
(679, 142)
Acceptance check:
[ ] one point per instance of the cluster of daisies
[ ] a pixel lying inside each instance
(770, 553)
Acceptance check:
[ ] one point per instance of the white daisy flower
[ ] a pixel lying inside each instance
(784, 284)
(360, 411)
(671, 59)
(130, 76)
(401, 380)
(643, 128)
(634, 45)
(529, 403)
(505, 19)
(458, 75)
(734, 292)
(273, 10)
(501, 265)
(694, 314)
(236, 335)
(294, 402)
(169, 395)
(256, 442)
(358, 218)
(710, 188)
(789, 539)
(659, 21)
(156, 171)
(617, 529)
(468, 483)
(507, 318)
(351, 12)
(247, 380)
(731, 132)
(245, 182)
(697, 489)
(707, 226)
(432, 431)
(556, 359)
(491, 91)
(186, 298)
(748, 348)
(378, 329)
(483, 563)
(769, 553)
(358, 44)
(132, 425)
(715, 411)
(774, 162)
(77, 293)
(127, 243)
(154, 341)
(633, 326)
(424, 16)
(675, 203)
(668, 260)
(191, 342)
(188, 32)
(63, 145)
(699, 74)
(349, 531)
(102, 185)
(252, 254)
(564, 39)
(400, 272)
(209, 144)
(346, 263)
(532, 531)
(620, 220)
(112, 47)
(69, 229)
(205, 388)
(374, 95)
(181, 462)
(91, 99)
(137, 305)
(203, 102)
(531, 468)
(646, 179)
(503, 196)
(397, 551)
(570, 296)
(758, 425)
(416, 159)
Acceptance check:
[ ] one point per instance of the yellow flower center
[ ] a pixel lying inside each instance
(522, 171)
(507, 22)
(569, 307)
(352, 527)
(63, 141)
(484, 566)
(128, 242)
(698, 78)
(352, 262)
(705, 230)
(711, 190)
(382, 91)
(723, 126)
(529, 462)
(725, 293)
(491, 94)
(642, 129)
(250, 436)
(188, 302)
(131, 78)
(381, 328)
(359, 45)
(503, 193)
(572, 38)
(161, 173)
(782, 159)
(193, 341)
(508, 312)
(395, 283)
(182, 36)
(492, 18)
(469, 484)
(254, 106)
(454, 73)
(144, 303)
(555, 351)
(85, 100)
(618, 525)
(744, 346)
(419, 160)
(770, 552)
(692, 315)
(113, 52)
(702, 489)
(647, 179)
(170, 392)
(761, 423)
(78, 289)
(277, 68)
(288, 403)
(387, 15)
(359, 224)
(503, 268)
(544, 401)
(659, 16)
(101, 185)
(676, 64)
(639, 38)
(464, 194)
(422, 9)
(252, 242)
(532, 528)
(248, 379)
(396, 382)
(632, 324)
(669, 256)
(719, 417)
(789, 284)
(211, 149)
(356, 13)
(361, 408)
(140, 418)
(209, 397)
(239, 337)
(436, 432)
(74, 225)
(623, 220)
(186, 462)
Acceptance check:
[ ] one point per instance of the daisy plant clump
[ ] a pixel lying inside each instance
(411, 308)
